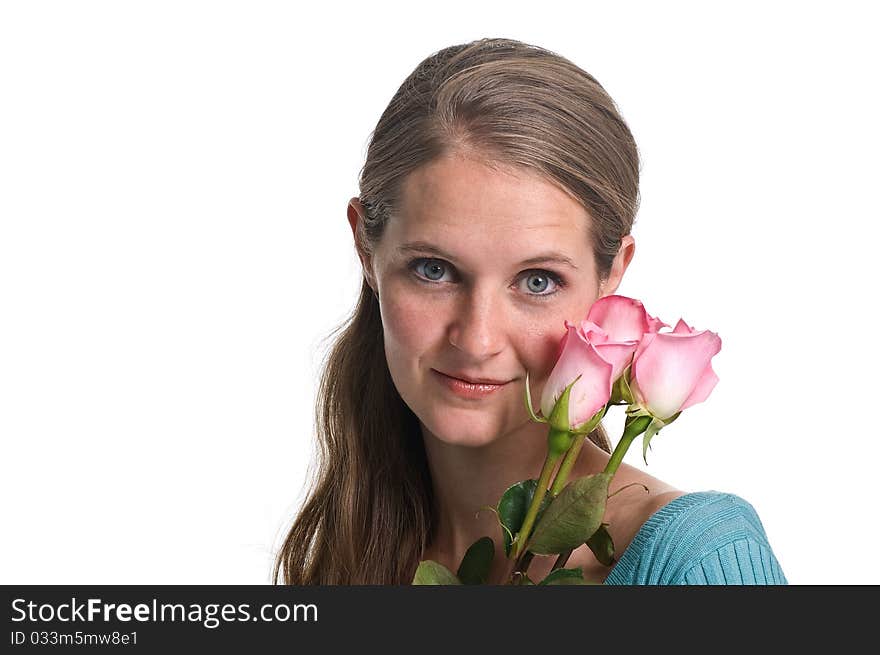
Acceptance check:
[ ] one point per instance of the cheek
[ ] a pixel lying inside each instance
(410, 326)
(415, 327)
(543, 341)
(540, 351)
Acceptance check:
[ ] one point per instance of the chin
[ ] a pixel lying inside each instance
(463, 428)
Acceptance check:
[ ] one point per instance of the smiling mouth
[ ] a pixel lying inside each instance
(467, 380)
(467, 390)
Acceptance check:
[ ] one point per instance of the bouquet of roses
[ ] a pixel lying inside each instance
(616, 356)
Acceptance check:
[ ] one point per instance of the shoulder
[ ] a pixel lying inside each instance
(704, 537)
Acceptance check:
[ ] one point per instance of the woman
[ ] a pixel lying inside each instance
(496, 202)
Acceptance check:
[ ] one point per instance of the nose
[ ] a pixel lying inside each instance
(477, 328)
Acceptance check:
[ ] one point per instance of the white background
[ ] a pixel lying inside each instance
(173, 248)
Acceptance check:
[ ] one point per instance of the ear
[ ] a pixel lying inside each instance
(619, 265)
(356, 213)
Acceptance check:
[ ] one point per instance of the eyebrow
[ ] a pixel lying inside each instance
(544, 257)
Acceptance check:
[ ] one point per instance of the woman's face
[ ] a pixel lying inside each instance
(476, 275)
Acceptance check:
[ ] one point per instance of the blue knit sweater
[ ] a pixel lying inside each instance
(700, 538)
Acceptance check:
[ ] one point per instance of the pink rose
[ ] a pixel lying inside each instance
(672, 371)
(599, 349)
(578, 356)
(622, 318)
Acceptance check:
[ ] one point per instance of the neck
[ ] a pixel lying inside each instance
(466, 479)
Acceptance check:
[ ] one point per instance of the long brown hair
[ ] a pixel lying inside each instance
(369, 515)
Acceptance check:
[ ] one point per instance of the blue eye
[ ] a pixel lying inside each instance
(542, 279)
(433, 271)
(429, 270)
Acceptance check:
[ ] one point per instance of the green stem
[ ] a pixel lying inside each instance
(562, 560)
(523, 565)
(632, 429)
(532, 513)
(619, 452)
(566, 466)
(570, 460)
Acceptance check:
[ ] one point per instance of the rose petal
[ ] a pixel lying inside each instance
(682, 328)
(667, 368)
(622, 318)
(592, 332)
(592, 391)
(619, 355)
(704, 387)
(654, 324)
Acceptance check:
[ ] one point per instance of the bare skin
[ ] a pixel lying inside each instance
(625, 514)
(508, 260)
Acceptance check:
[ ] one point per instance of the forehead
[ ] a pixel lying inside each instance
(466, 204)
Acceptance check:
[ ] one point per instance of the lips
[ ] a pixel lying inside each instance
(473, 379)
(469, 391)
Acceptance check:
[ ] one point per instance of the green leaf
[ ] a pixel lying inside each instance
(559, 416)
(655, 427)
(590, 425)
(564, 576)
(539, 419)
(526, 580)
(559, 442)
(572, 517)
(477, 562)
(621, 394)
(513, 506)
(602, 545)
(431, 572)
